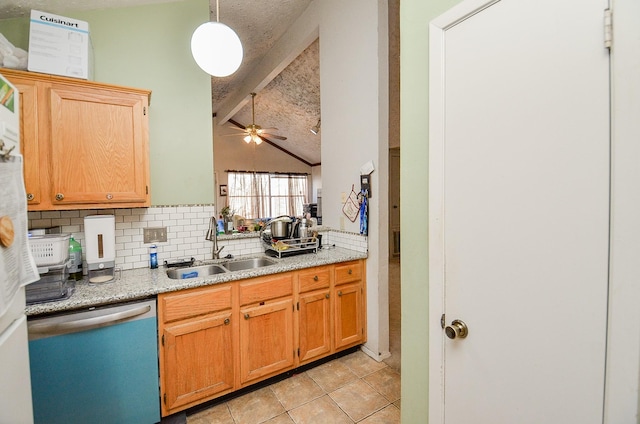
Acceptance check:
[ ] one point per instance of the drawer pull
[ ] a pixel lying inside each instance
(109, 196)
(350, 271)
(227, 321)
(340, 293)
(315, 278)
(59, 196)
(326, 295)
(246, 316)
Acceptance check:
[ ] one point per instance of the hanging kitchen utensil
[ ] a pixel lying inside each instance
(351, 206)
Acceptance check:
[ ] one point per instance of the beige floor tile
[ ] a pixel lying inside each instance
(389, 415)
(387, 382)
(255, 407)
(332, 375)
(280, 419)
(218, 414)
(296, 390)
(358, 400)
(320, 411)
(361, 363)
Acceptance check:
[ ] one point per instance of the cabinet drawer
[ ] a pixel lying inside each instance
(348, 272)
(313, 279)
(195, 302)
(262, 289)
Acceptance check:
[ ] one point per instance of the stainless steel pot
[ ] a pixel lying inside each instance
(281, 227)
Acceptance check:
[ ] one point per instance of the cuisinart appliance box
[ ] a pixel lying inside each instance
(58, 45)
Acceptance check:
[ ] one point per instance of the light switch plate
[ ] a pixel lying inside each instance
(155, 234)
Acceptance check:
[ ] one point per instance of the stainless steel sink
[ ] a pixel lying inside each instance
(220, 268)
(246, 264)
(195, 272)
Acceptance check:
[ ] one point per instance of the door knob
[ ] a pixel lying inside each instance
(457, 330)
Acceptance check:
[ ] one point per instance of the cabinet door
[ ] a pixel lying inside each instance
(266, 339)
(348, 329)
(30, 139)
(104, 160)
(315, 321)
(198, 361)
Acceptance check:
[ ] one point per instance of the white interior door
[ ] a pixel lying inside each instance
(519, 211)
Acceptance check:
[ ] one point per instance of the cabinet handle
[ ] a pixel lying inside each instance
(246, 316)
(350, 271)
(227, 321)
(59, 196)
(315, 278)
(109, 196)
(326, 296)
(340, 293)
(30, 197)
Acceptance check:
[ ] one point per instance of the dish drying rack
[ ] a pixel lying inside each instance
(289, 247)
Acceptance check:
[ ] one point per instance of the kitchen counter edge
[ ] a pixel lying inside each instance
(143, 283)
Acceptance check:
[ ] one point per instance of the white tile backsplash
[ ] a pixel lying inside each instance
(186, 230)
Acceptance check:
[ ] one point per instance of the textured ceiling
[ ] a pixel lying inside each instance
(290, 102)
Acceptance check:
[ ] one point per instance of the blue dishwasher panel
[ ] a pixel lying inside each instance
(103, 375)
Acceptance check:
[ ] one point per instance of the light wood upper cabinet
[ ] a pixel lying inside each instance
(29, 143)
(86, 144)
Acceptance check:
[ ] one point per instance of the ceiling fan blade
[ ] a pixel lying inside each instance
(266, 130)
(278, 137)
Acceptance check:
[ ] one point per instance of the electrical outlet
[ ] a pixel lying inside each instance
(155, 234)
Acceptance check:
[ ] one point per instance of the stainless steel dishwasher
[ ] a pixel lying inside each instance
(96, 366)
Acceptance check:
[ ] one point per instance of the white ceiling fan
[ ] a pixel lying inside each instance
(255, 132)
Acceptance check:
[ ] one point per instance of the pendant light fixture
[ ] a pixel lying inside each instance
(216, 48)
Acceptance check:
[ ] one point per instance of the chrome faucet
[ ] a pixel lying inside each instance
(212, 235)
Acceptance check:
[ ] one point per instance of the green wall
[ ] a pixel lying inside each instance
(149, 47)
(414, 176)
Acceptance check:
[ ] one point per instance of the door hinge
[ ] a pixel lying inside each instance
(608, 29)
(144, 111)
(442, 321)
(298, 305)
(163, 340)
(164, 398)
(146, 189)
(298, 352)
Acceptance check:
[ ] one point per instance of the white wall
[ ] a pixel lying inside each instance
(354, 105)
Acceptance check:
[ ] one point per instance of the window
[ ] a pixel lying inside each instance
(263, 195)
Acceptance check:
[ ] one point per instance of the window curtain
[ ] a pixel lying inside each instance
(263, 195)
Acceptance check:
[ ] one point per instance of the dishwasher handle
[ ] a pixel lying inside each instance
(84, 324)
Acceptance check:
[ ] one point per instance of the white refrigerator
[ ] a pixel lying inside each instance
(17, 267)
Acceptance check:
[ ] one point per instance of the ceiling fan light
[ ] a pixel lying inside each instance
(247, 139)
(216, 49)
(257, 139)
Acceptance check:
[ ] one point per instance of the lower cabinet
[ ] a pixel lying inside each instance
(217, 339)
(314, 314)
(266, 326)
(198, 361)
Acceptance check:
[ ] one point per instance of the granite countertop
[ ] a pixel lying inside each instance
(143, 282)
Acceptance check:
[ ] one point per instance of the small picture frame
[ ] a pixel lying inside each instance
(223, 189)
